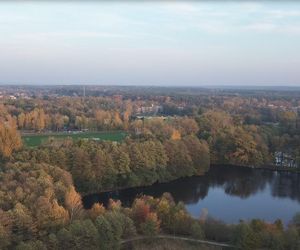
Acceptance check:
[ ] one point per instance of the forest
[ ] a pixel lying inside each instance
(170, 134)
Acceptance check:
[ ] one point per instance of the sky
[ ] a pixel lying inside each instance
(150, 43)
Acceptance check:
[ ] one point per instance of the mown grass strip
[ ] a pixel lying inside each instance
(35, 140)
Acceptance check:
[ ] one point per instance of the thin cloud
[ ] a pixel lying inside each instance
(180, 7)
(283, 13)
(273, 28)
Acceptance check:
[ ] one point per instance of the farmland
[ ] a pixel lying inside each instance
(34, 140)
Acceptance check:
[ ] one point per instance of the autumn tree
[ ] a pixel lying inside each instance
(10, 139)
(5, 229)
(73, 204)
(21, 120)
(151, 225)
(176, 135)
(199, 152)
(127, 113)
(96, 210)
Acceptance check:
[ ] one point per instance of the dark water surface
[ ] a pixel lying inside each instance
(226, 192)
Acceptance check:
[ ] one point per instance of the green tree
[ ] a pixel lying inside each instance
(31, 245)
(107, 237)
(245, 238)
(81, 234)
(180, 162)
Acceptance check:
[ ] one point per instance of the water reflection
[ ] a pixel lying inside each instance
(261, 193)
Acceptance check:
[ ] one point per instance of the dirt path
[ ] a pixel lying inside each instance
(211, 243)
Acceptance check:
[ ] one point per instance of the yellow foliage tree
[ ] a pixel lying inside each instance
(73, 204)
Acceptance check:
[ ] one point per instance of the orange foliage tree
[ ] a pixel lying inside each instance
(10, 139)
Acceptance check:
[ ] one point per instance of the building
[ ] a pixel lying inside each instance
(285, 160)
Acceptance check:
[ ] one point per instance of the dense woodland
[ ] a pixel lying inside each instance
(170, 135)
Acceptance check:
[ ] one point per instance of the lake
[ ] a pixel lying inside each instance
(228, 193)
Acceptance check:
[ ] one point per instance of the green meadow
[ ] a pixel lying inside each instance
(34, 140)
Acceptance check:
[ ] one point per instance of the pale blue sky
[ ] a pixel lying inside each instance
(150, 43)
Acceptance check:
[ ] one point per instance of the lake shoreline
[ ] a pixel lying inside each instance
(269, 167)
(132, 187)
(227, 192)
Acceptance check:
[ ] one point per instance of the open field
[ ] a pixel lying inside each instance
(34, 140)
